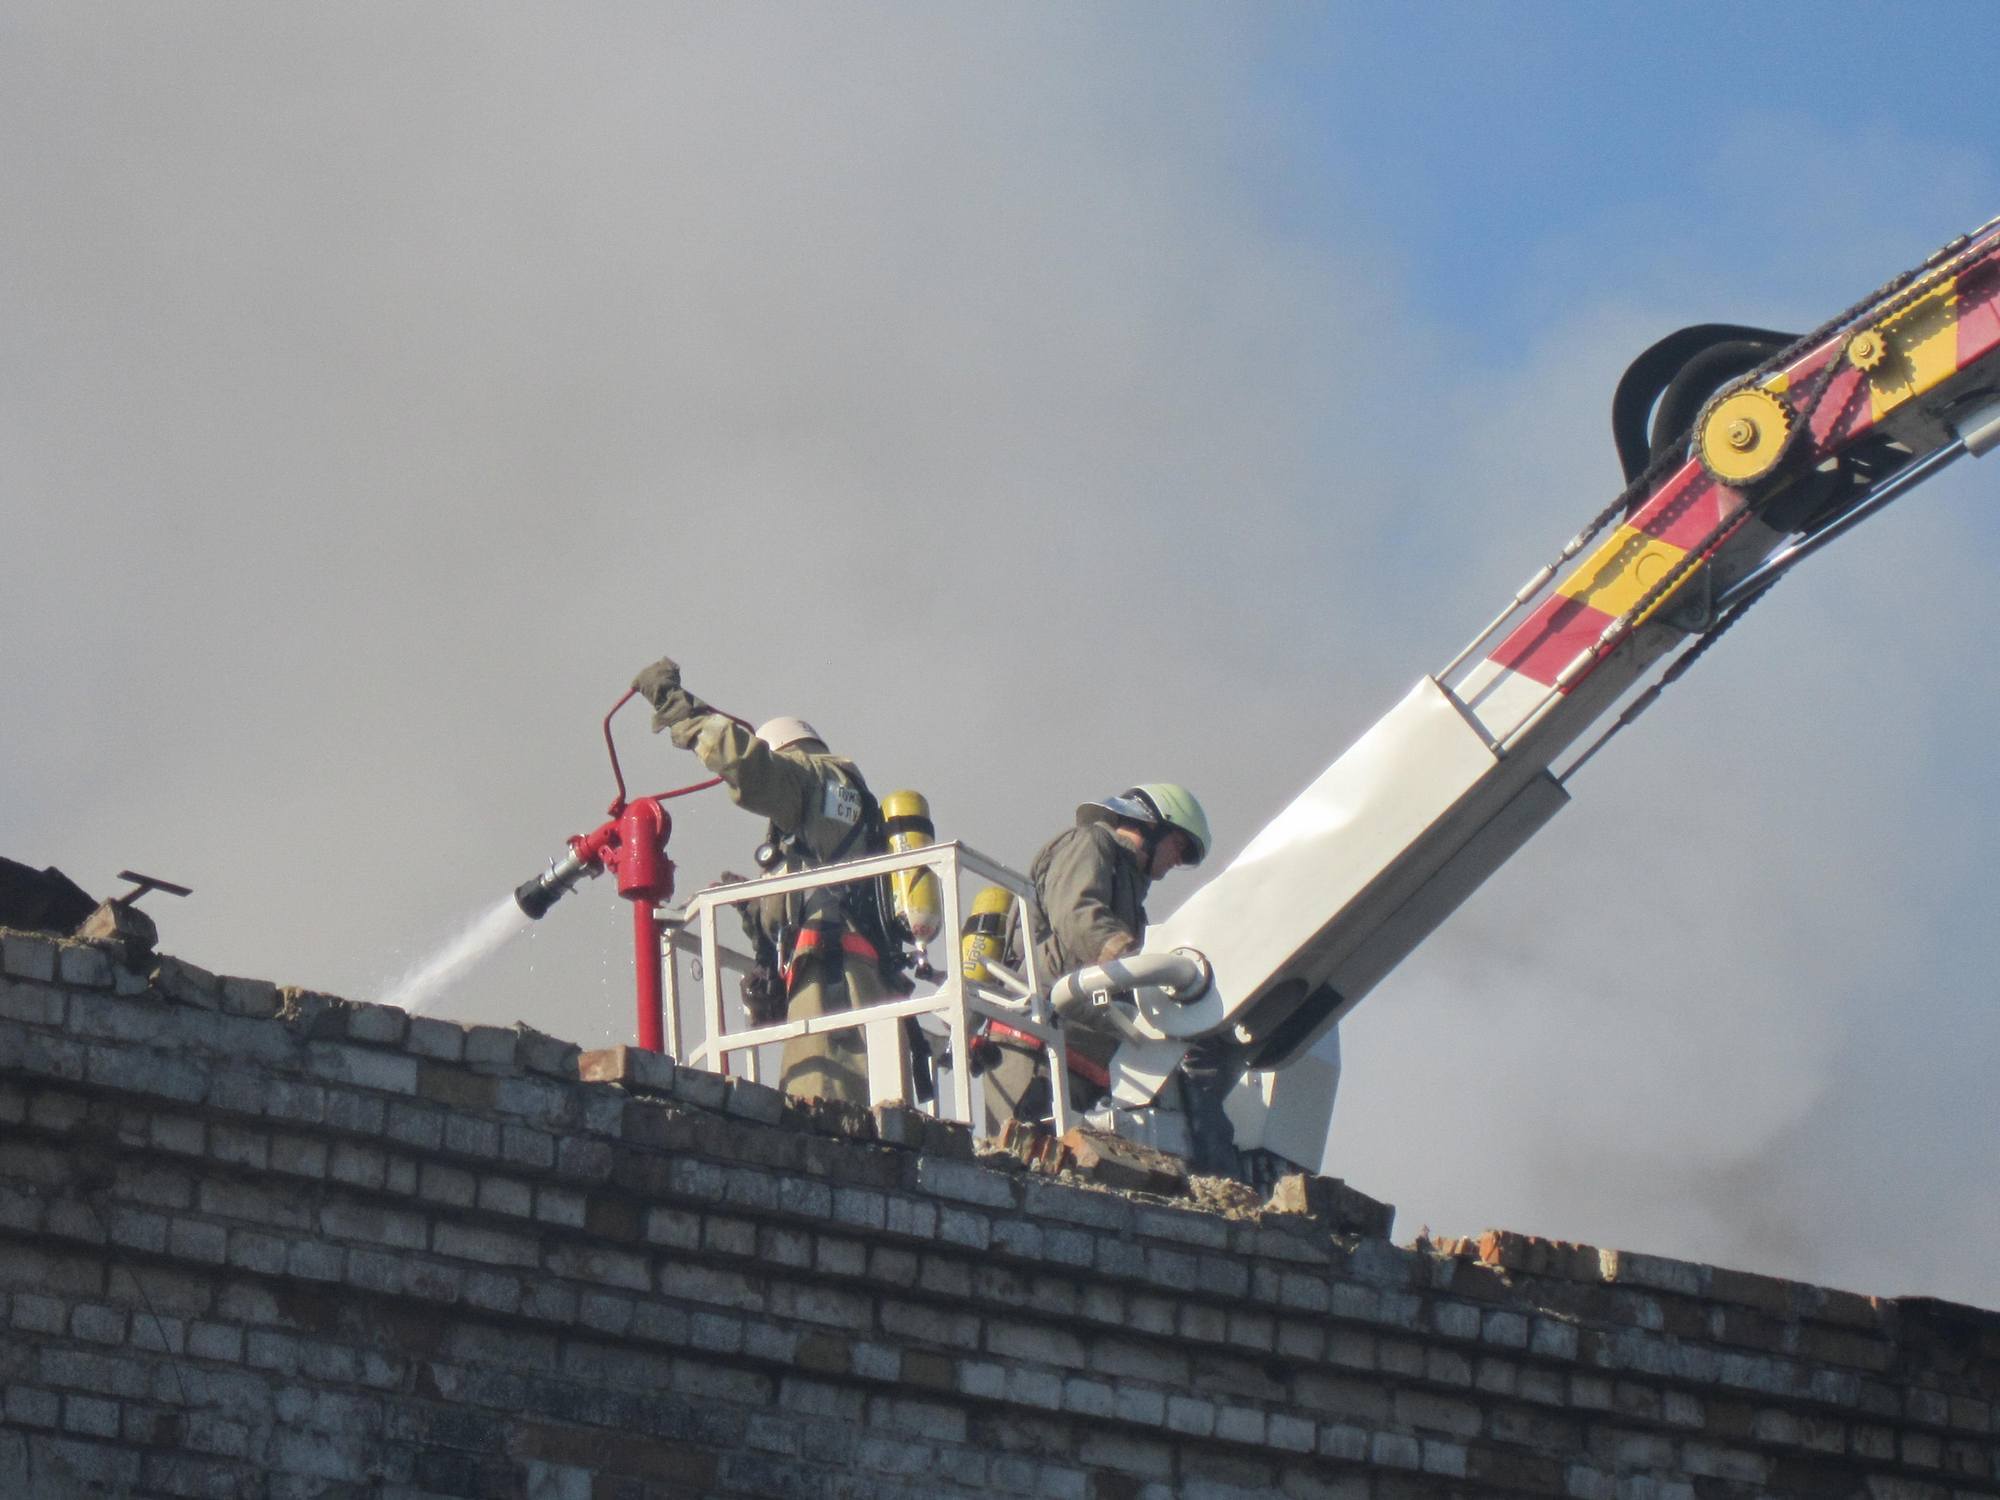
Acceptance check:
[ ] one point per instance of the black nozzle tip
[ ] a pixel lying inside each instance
(536, 896)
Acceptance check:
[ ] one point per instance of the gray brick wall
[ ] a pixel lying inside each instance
(262, 1243)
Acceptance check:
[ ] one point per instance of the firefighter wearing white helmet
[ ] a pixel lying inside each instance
(1090, 887)
(784, 732)
(818, 807)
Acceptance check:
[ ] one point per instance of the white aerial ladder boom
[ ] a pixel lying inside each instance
(1794, 443)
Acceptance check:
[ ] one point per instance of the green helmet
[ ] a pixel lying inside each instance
(1157, 804)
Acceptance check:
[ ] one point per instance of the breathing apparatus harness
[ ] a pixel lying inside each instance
(866, 927)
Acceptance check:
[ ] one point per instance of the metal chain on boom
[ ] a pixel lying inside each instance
(1674, 672)
(1698, 554)
(1903, 292)
(1886, 301)
(1620, 630)
(1673, 456)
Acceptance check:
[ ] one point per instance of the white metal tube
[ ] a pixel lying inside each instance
(670, 975)
(1009, 980)
(838, 1020)
(1098, 1010)
(1180, 972)
(1980, 431)
(1522, 595)
(1086, 994)
(957, 1015)
(711, 989)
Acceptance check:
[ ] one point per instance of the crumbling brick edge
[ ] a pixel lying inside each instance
(244, 1144)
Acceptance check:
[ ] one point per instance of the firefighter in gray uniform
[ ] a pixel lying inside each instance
(819, 808)
(1089, 907)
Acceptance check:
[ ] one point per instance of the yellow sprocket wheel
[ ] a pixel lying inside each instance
(1867, 349)
(1743, 435)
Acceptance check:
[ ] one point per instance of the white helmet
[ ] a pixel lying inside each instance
(785, 730)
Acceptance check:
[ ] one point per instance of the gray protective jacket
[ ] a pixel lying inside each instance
(1090, 899)
(1089, 905)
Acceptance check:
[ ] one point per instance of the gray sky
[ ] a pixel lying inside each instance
(1040, 398)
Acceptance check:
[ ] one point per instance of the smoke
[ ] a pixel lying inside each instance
(1038, 399)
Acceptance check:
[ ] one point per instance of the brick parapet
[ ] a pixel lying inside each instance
(247, 1232)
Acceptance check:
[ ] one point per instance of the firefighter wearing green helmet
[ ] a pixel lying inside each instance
(1089, 907)
(828, 958)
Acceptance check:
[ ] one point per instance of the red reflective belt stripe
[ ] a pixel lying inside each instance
(1085, 1068)
(810, 940)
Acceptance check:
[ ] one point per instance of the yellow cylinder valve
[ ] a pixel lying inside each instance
(985, 933)
(906, 820)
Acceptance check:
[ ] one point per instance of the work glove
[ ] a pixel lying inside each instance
(674, 707)
(658, 680)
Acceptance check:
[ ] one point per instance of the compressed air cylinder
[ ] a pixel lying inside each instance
(985, 932)
(906, 820)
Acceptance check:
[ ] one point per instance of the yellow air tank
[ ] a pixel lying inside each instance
(906, 820)
(985, 932)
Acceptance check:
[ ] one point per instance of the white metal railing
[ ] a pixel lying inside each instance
(705, 1038)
